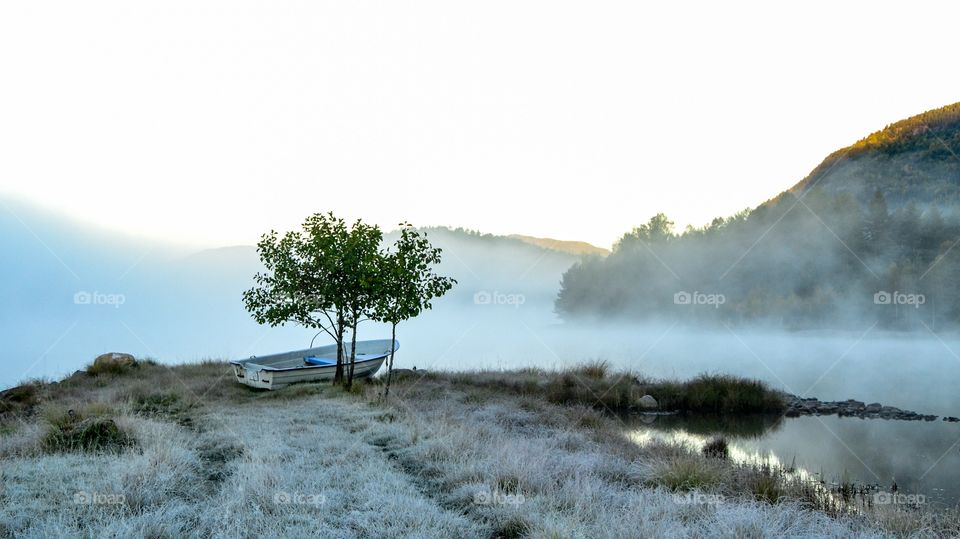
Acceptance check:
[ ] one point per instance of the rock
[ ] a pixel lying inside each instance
(811, 404)
(647, 402)
(797, 406)
(113, 363)
(952, 419)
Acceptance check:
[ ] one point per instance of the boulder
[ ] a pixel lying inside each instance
(647, 402)
(811, 404)
(113, 362)
(873, 408)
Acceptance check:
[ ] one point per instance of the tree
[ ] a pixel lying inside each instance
(306, 280)
(407, 284)
(361, 256)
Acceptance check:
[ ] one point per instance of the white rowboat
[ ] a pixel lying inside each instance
(311, 364)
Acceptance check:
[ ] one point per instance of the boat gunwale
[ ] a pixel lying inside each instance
(240, 363)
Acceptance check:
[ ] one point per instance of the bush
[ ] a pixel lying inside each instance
(718, 394)
(74, 433)
(19, 399)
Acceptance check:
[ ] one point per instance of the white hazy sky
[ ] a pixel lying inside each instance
(209, 122)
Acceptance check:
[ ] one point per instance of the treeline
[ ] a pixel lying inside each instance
(823, 259)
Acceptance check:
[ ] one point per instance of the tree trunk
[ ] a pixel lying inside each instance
(338, 373)
(393, 339)
(353, 352)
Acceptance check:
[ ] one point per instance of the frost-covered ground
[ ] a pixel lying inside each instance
(445, 459)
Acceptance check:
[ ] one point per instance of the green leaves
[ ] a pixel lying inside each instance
(406, 280)
(305, 276)
(331, 274)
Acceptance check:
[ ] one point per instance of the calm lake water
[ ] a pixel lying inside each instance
(920, 457)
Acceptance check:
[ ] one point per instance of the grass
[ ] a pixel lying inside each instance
(595, 385)
(76, 432)
(717, 448)
(767, 487)
(687, 472)
(597, 369)
(261, 463)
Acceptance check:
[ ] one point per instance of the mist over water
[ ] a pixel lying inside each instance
(69, 295)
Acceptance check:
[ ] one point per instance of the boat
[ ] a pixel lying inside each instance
(311, 364)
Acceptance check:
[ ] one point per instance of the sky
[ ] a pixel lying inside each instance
(208, 123)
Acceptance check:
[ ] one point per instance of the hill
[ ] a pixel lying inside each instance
(577, 248)
(867, 238)
(910, 161)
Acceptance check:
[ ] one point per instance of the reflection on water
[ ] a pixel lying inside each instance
(742, 426)
(917, 457)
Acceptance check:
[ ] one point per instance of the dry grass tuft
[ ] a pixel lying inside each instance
(73, 432)
(717, 448)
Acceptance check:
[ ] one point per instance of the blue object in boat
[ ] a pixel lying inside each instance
(322, 361)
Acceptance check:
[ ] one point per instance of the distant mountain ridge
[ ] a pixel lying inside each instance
(577, 248)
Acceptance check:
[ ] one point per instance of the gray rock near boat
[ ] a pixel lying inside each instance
(799, 406)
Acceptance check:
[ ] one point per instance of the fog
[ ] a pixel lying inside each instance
(159, 301)
(70, 293)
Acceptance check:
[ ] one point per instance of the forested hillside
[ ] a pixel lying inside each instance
(867, 238)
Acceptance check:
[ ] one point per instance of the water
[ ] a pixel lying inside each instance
(919, 457)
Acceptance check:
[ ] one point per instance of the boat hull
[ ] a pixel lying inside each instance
(280, 370)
